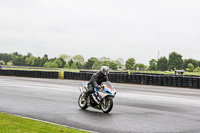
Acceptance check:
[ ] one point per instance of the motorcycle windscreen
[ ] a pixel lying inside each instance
(108, 84)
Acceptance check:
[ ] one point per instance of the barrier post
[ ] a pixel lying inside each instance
(61, 74)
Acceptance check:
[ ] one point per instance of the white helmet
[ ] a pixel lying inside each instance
(105, 70)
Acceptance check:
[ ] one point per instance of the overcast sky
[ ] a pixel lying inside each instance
(111, 28)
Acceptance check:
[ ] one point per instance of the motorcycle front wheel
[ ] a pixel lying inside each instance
(107, 105)
(82, 104)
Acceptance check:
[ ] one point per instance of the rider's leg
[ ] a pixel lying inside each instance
(89, 91)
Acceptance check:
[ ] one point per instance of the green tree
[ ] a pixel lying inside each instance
(14, 55)
(188, 70)
(59, 63)
(5, 57)
(78, 58)
(140, 66)
(96, 65)
(63, 62)
(44, 60)
(53, 65)
(29, 54)
(16, 60)
(47, 64)
(9, 63)
(187, 61)
(37, 62)
(175, 61)
(79, 65)
(70, 62)
(197, 69)
(29, 61)
(50, 64)
(73, 66)
(106, 63)
(153, 65)
(90, 62)
(102, 59)
(67, 66)
(191, 67)
(2, 62)
(130, 63)
(46, 56)
(162, 64)
(113, 65)
(22, 60)
(65, 57)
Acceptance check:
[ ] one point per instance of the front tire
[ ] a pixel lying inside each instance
(82, 104)
(107, 107)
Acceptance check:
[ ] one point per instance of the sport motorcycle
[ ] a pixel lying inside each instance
(101, 99)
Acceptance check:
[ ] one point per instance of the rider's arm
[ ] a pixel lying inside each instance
(94, 81)
(107, 78)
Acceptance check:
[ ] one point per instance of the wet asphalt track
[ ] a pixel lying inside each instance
(137, 108)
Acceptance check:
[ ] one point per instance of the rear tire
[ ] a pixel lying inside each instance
(108, 107)
(82, 104)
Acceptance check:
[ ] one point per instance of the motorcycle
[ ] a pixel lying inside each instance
(101, 99)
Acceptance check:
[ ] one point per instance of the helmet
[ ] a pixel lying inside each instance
(105, 70)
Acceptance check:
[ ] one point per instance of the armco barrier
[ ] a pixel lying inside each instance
(117, 77)
(165, 80)
(151, 79)
(147, 79)
(175, 81)
(199, 82)
(155, 80)
(170, 79)
(185, 80)
(195, 82)
(25, 73)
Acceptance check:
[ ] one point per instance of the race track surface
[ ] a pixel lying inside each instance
(137, 108)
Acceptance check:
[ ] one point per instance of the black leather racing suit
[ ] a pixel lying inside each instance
(95, 82)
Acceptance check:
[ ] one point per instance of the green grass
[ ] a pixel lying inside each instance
(42, 69)
(168, 72)
(192, 73)
(15, 124)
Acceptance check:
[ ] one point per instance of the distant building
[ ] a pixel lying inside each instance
(179, 72)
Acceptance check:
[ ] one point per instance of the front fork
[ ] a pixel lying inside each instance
(81, 90)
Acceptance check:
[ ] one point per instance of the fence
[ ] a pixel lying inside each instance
(25, 73)
(142, 78)
(117, 77)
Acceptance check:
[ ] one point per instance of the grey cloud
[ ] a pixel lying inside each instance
(119, 28)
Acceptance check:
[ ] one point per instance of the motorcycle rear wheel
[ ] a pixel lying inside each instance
(82, 104)
(106, 108)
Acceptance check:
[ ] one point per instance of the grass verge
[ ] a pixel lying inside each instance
(15, 124)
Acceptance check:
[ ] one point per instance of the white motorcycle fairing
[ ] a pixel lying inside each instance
(100, 99)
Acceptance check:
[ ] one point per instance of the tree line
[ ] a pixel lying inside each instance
(174, 62)
(63, 61)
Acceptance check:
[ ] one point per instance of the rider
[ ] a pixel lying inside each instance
(96, 80)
